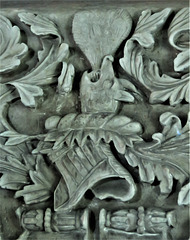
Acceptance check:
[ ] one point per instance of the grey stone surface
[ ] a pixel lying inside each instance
(94, 126)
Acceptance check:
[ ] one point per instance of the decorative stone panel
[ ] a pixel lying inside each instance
(94, 126)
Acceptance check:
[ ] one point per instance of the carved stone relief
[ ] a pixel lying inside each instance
(94, 124)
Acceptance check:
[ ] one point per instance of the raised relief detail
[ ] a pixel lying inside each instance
(45, 220)
(134, 223)
(12, 51)
(67, 132)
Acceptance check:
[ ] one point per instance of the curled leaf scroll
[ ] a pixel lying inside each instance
(147, 73)
(160, 158)
(147, 25)
(29, 86)
(12, 50)
(53, 53)
(143, 70)
(39, 24)
(178, 34)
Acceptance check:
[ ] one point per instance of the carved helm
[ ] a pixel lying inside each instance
(95, 172)
(82, 154)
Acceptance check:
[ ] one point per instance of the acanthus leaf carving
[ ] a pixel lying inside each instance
(119, 129)
(15, 164)
(40, 25)
(44, 182)
(181, 62)
(178, 34)
(147, 25)
(12, 51)
(178, 90)
(29, 86)
(178, 30)
(152, 159)
(27, 93)
(14, 137)
(15, 174)
(148, 74)
(7, 94)
(184, 195)
(49, 58)
(20, 169)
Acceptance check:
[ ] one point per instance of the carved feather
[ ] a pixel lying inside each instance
(99, 33)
